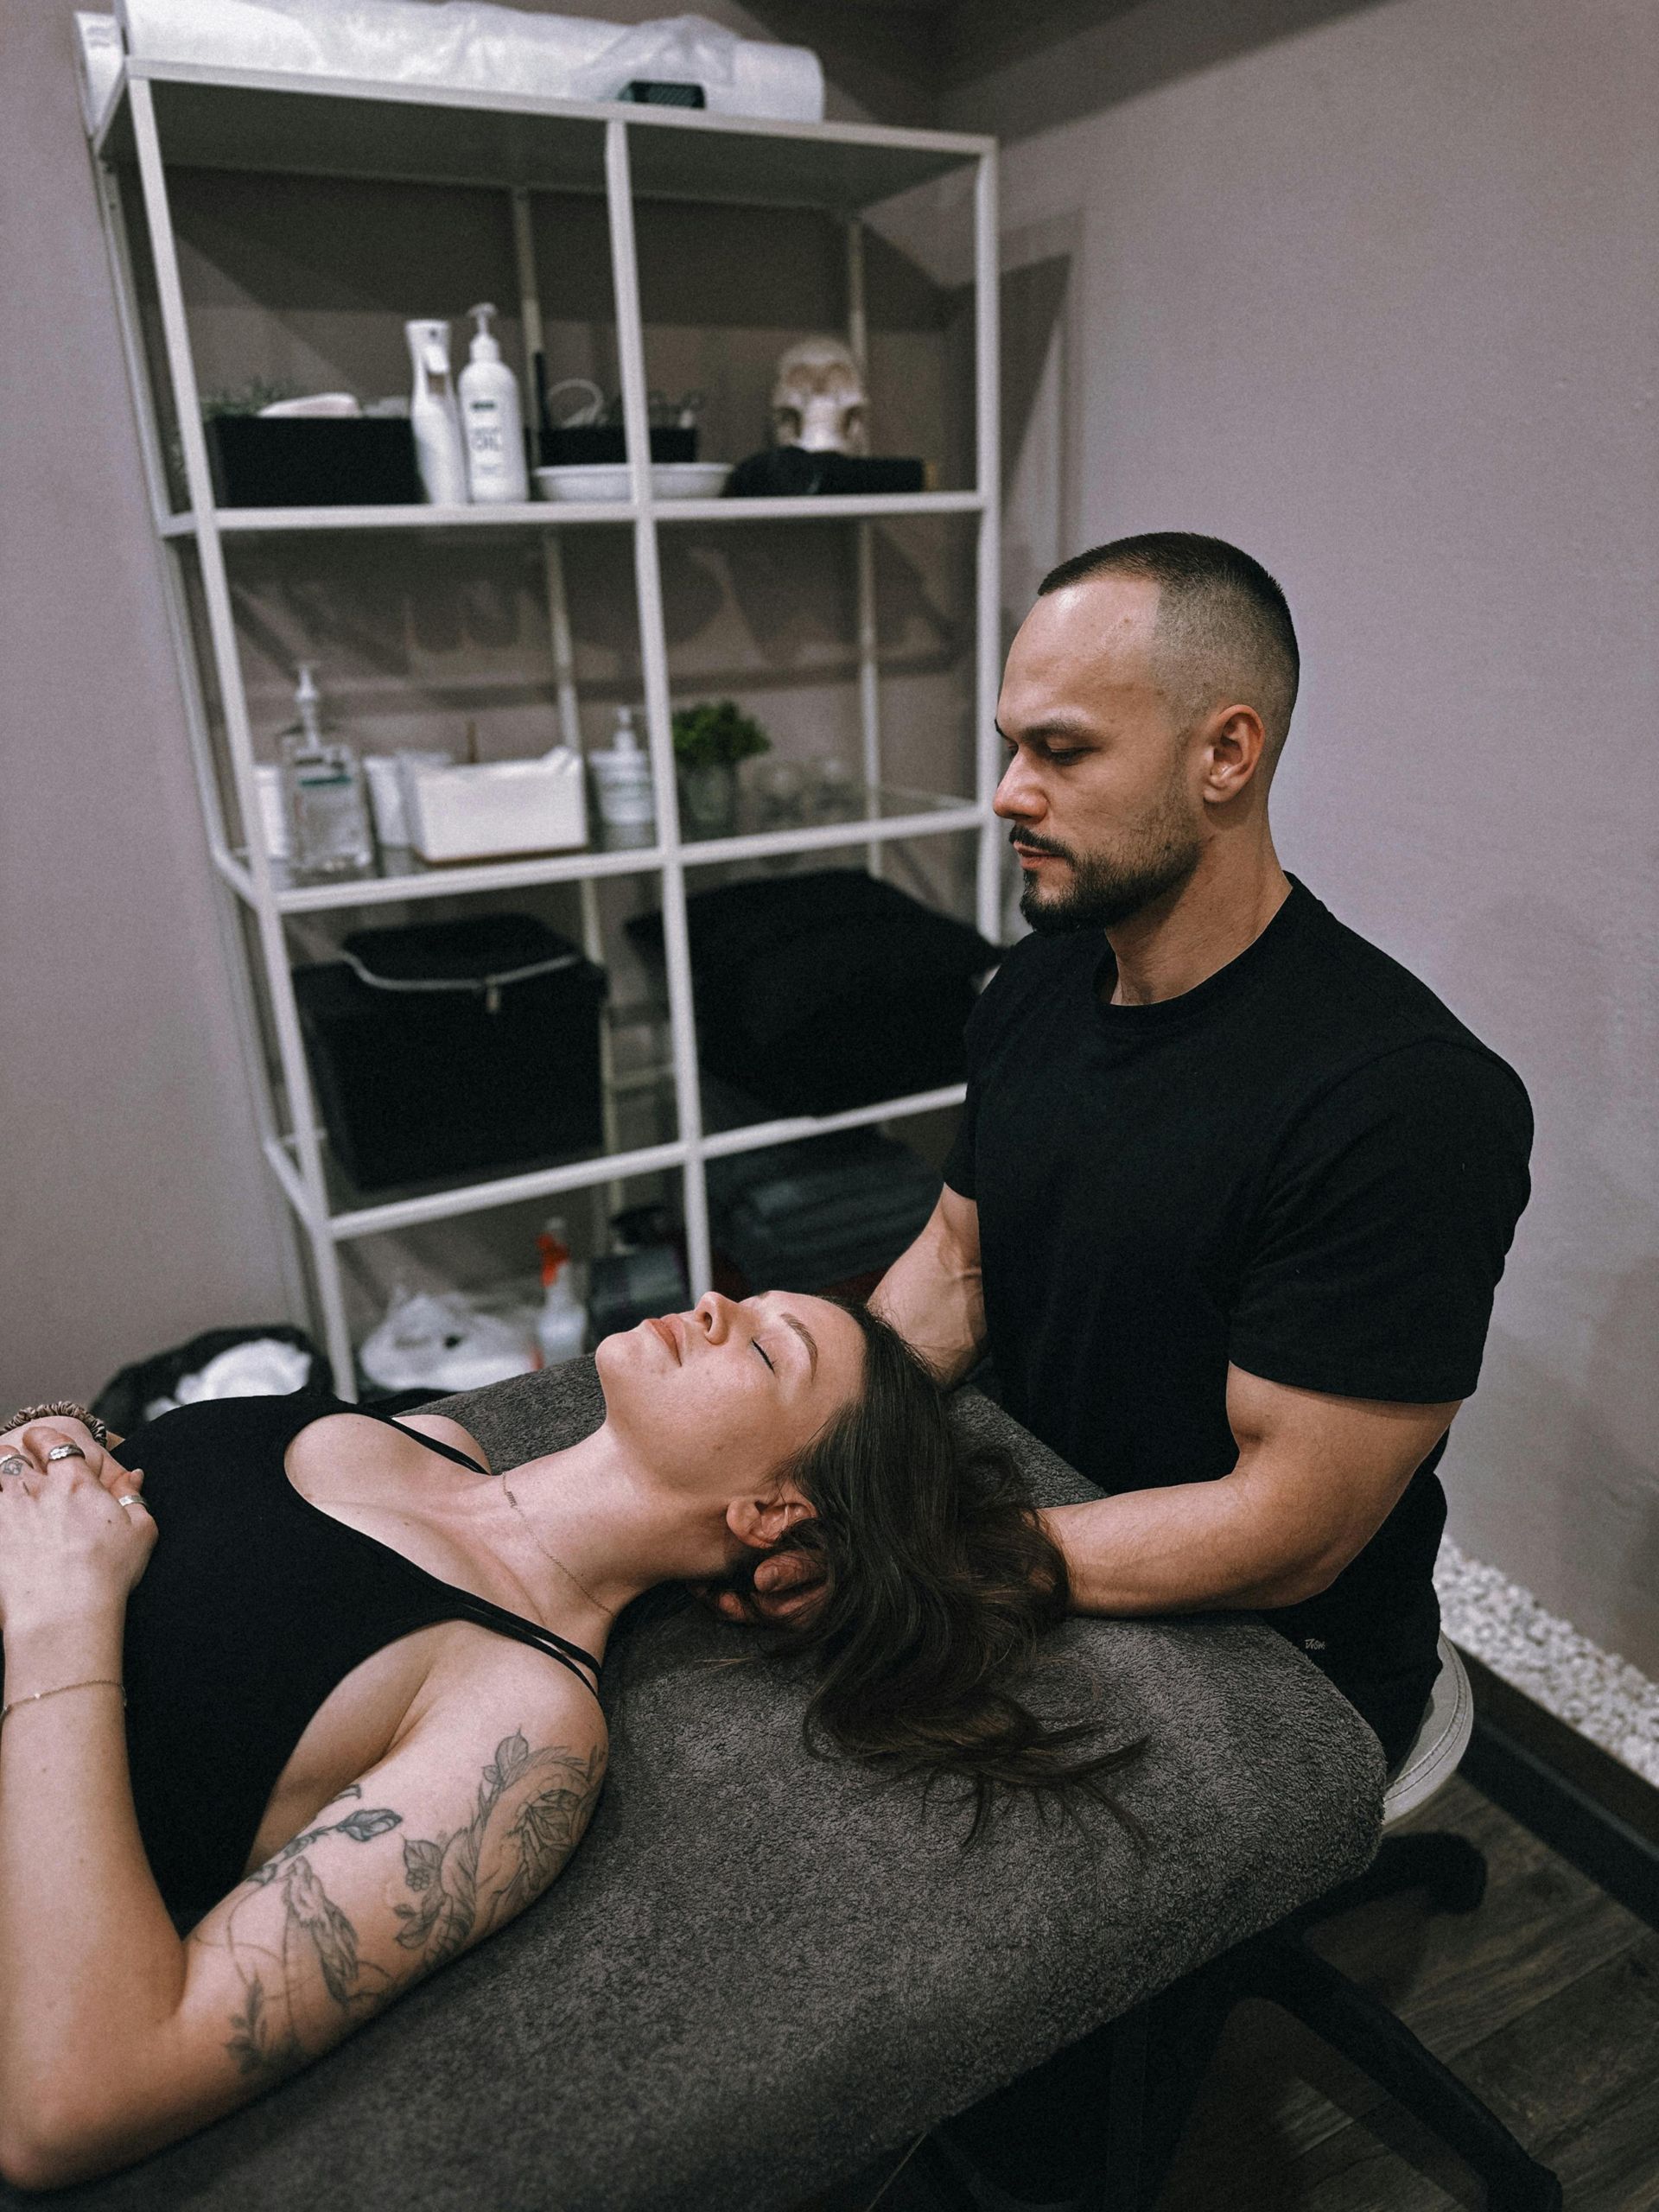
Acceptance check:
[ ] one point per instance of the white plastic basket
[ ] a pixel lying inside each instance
(500, 806)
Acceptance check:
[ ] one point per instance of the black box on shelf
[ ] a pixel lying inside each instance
(820, 992)
(792, 472)
(581, 445)
(454, 1048)
(364, 460)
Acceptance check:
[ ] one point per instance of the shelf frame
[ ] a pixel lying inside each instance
(253, 895)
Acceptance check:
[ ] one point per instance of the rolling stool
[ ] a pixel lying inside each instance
(1279, 1967)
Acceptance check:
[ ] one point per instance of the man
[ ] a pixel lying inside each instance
(1232, 1189)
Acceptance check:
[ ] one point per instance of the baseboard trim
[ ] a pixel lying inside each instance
(1572, 1796)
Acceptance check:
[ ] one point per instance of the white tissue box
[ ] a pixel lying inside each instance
(502, 806)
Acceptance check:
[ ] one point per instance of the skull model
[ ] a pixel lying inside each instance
(818, 400)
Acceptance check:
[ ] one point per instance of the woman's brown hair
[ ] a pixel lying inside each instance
(939, 1580)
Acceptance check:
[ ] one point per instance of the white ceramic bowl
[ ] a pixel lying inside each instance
(609, 480)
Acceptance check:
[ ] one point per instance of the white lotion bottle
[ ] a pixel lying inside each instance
(622, 785)
(434, 416)
(492, 421)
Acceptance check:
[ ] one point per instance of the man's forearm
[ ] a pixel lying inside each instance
(1193, 1548)
(932, 1295)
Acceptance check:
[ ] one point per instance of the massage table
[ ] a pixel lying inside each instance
(759, 1973)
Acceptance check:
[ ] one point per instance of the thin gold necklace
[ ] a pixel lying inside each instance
(548, 1555)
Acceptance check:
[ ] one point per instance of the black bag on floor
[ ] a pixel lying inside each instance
(452, 1048)
(820, 992)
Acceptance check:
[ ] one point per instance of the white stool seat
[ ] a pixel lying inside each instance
(1438, 1745)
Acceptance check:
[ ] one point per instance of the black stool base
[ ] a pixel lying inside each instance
(1156, 2057)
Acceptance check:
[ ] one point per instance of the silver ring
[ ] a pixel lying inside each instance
(131, 1498)
(66, 1451)
(15, 1463)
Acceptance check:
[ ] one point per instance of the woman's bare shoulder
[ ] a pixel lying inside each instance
(479, 1672)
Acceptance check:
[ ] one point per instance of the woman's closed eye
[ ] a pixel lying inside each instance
(765, 1355)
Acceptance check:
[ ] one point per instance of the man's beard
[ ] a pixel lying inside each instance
(1108, 888)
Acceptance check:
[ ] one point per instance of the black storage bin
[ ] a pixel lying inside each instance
(453, 1048)
(365, 461)
(820, 992)
(584, 444)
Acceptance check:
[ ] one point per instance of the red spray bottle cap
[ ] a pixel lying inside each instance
(555, 1252)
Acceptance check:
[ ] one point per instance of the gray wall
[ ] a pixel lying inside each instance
(133, 1206)
(1378, 300)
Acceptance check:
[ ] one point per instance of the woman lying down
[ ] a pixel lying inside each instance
(318, 1686)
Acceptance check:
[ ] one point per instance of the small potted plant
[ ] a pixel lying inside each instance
(709, 740)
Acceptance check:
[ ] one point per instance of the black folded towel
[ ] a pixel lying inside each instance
(820, 992)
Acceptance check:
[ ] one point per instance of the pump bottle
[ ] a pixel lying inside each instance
(322, 787)
(492, 421)
(627, 803)
(434, 417)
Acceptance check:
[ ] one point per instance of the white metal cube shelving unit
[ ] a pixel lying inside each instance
(170, 115)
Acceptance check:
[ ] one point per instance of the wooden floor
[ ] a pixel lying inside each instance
(1545, 2000)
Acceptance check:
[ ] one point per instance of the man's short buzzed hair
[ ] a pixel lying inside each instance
(1224, 629)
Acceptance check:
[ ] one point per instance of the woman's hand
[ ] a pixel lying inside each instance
(67, 1547)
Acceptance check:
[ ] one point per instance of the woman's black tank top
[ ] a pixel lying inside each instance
(256, 1604)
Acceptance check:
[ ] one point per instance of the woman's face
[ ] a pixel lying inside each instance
(716, 1400)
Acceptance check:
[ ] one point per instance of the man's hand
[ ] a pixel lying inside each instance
(787, 1588)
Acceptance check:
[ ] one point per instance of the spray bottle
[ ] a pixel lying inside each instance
(434, 416)
(492, 421)
(563, 1327)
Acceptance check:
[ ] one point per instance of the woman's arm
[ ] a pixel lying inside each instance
(441, 1843)
(115, 2036)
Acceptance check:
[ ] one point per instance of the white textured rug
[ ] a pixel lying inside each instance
(1594, 1691)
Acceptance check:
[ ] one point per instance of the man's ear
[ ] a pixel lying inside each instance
(1237, 745)
(763, 1521)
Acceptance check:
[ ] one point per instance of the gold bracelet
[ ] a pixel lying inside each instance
(91, 1683)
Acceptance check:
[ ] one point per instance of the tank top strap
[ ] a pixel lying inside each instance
(547, 1641)
(481, 1610)
(418, 1436)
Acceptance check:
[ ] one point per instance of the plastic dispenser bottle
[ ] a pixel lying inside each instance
(492, 421)
(563, 1327)
(329, 833)
(434, 416)
(622, 785)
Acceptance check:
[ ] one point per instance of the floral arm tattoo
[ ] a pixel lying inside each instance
(530, 1812)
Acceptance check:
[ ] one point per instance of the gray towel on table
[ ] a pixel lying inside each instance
(756, 1973)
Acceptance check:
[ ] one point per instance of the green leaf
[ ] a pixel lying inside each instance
(362, 1828)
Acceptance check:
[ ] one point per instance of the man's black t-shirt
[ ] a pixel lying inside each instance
(1306, 1167)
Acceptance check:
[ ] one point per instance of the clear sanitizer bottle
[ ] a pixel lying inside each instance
(329, 830)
